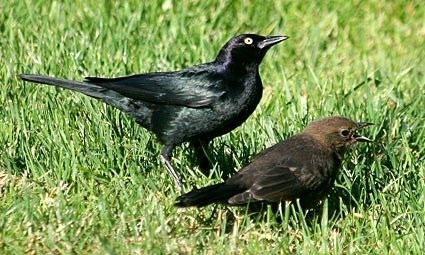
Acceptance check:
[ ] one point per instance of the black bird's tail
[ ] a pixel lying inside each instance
(218, 193)
(83, 87)
(137, 110)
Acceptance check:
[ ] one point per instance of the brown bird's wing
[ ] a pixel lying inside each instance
(280, 183)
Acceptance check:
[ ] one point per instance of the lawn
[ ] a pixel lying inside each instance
(79, 177)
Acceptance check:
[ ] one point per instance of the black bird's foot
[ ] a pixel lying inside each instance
(166, 162)
(204, 164)
(200, 149)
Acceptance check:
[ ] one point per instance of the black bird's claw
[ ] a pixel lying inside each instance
(171, 172)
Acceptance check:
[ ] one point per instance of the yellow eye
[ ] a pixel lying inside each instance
(248, 40)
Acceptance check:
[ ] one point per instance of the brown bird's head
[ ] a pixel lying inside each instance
(336, 132)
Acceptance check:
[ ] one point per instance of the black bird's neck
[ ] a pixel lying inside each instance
(235, 68)
(236, 65)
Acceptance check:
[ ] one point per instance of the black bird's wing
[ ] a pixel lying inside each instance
(195, 87)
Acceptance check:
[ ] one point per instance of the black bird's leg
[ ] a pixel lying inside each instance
(166, 161)
(200, 148)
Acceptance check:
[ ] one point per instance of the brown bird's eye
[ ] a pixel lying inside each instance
(345, 132)
(248, 40)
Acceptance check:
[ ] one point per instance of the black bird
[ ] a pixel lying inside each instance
(192, 105)
(301, 167)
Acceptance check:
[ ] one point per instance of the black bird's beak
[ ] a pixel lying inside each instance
(271, 40)
(360, 138)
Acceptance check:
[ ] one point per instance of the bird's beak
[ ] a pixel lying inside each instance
(360, 138)
(363, 124)
(271, 40)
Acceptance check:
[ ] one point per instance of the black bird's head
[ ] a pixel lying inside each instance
(247, 49)
(337, 133)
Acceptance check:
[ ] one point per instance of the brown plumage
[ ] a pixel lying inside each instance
(301, 167)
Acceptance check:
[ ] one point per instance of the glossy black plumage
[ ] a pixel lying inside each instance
(302, 167)
(193, 105)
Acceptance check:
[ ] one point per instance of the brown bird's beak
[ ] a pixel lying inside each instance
(363, 124)
(360, 138)
(271, 40)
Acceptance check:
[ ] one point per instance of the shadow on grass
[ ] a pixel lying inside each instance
(223, 156)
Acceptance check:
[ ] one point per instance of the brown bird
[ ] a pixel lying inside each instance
(301, 167)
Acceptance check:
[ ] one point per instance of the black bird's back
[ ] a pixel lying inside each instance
(219, 100)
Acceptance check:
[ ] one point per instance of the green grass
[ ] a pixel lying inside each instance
(77, 176)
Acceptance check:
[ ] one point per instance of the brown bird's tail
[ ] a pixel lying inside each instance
(218, 193)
